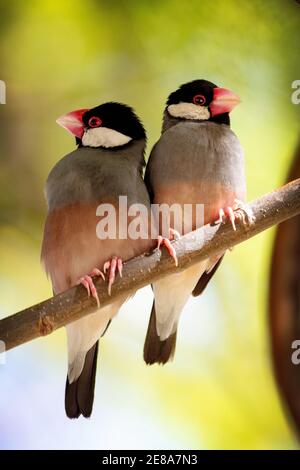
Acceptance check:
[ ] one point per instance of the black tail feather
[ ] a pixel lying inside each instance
(155, 350)
(79, 397)
(204, 279)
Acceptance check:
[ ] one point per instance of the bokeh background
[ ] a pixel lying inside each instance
(56, 56)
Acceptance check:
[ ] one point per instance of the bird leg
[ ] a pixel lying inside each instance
(88, 283)
(112, 265)
(174, 235)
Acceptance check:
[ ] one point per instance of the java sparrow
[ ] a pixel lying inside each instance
(197, 160)
(108, 162)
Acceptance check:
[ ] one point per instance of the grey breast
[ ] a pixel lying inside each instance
(190, 151)
(88, 174)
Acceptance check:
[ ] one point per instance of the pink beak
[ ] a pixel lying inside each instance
(73, 122)
(223, 101)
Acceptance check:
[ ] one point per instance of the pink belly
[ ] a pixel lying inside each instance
(212, 196)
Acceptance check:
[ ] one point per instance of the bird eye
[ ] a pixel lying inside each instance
(199, 99)
(94, 122)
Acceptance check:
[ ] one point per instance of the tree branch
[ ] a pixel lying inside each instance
(47, 316)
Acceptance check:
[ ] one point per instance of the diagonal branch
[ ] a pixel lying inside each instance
(47, 316)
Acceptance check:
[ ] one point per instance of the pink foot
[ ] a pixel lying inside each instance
(240, 211)
(114, 264)
(243, 212)
(174, 235)
(88, 283)
(221, 218)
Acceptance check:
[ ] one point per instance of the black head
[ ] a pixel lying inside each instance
(116, 116)
(193, 92)
(108, 125)
(205, 101)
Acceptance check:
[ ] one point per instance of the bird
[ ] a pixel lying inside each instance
(108, 162)
(197, 160)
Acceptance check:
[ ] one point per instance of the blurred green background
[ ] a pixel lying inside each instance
(56, 56)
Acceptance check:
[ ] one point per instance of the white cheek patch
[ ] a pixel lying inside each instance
(104, 137)
(189, 111)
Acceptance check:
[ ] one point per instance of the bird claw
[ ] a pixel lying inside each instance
(112, 265)
(97, 272)
(88, 283)
(243, 212)
(221, 218)
(174, 235)
(240, 211)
